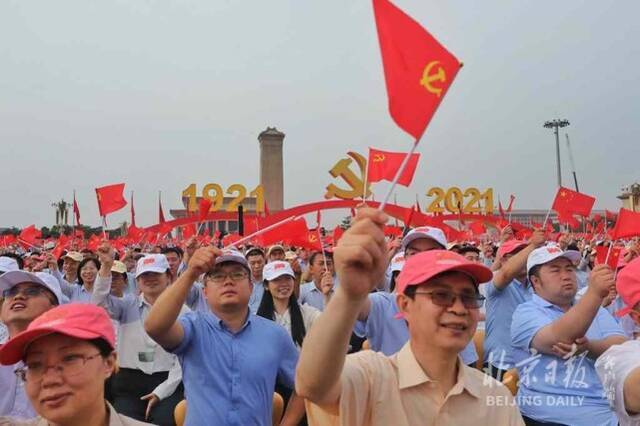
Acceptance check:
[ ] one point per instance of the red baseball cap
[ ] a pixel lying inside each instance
(628, 286)
(423, 266)
(510, 246)
(79, 320)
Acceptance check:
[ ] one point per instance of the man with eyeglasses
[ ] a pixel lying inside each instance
(230, 357)
(25, 296)
(425, 382)
(379, 318)
(556, 341)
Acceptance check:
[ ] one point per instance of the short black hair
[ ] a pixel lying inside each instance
(176, 250)
(535, 270)
(315, 254)
(103, 346)
(467, 248)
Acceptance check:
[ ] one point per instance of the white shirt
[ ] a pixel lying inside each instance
(613, 367)
(309, 315)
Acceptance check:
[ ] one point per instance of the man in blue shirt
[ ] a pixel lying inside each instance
(508, 289)
(556, 340)
(322, 275)
(230, 358)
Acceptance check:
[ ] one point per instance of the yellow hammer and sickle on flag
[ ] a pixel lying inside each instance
(312, 238)
(378, 158)
(429, 77)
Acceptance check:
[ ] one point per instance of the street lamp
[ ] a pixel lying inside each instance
(555, 124)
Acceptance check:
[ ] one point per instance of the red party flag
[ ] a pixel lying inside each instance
(569, 203)
(337, 234)
(627, 225)
(383, 165)
(418, 70)
(203, 208)
(110, 198)
(61, 244)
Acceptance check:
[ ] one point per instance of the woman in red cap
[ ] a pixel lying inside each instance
(68, 354)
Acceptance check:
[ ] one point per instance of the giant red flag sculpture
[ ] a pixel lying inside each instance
(418, 72)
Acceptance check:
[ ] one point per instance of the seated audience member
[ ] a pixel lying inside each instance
(231, 359)
(425, 383)
(556, 340)
(619, 366)
(68, 354)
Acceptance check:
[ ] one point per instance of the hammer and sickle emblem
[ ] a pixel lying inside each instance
(429, 77)
(313, 238)
(356, 182)
(378, 158)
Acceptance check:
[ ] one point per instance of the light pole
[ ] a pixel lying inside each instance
(555, 124)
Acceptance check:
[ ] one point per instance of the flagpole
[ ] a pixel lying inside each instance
(262, 231)
(403, 166)
(104, 227)
(546, 219)
(324, 257)
(606, 261)
(366, 178)
(73, 223)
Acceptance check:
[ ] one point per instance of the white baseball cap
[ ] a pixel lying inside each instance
(278, 268)
(152, 263)
(229, 255)
(430, 232)
(13, 278)
(546, 254)
(397, 262)
(8, 264)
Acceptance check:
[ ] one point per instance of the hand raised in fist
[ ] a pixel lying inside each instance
(202, 260)
(106, 255)
(602, 280)
(538, 238)
(326, 284)
(360, 258)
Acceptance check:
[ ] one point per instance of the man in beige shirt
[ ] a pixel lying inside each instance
(423, 384)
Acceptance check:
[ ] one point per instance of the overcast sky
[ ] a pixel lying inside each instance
(161, 94)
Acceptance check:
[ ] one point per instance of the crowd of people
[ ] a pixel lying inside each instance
(378, 330)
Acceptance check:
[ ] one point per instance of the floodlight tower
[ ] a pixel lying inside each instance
(556, 124)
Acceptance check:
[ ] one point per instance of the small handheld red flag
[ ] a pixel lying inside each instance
(614, 256)
(110, 198)
(627, 225)
(383, 165)
(569, 203)
(418, 70)
(203, 208)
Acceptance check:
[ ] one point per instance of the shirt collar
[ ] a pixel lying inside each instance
(544, 303)
(411, 374)
(142, 302)
(220, 325)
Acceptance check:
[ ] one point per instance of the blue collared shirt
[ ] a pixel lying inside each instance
(500, 307)
(229, 378)
(553, 389)
(311, 295)
(13, 398)
(388, 334)
(256, 296)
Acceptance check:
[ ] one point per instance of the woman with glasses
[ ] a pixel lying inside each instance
(68, 353)
(148, 384)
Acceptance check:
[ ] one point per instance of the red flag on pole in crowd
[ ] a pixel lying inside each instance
(627, 225)
(614, 256)
(569, 203)
(383, 165)
(203, 209)
(110, 198)
(161, 218)
(418, 70)
(133, 211)
(61, 244)
(76, 209)
(29, 235)
(189, 230)
(135, 233)
(408, 216)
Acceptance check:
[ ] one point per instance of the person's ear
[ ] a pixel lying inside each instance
(110, 365)
(535, 281)
(402, 301)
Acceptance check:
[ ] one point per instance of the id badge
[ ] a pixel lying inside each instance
(146, 356)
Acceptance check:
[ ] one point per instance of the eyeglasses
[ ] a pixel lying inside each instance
(219, 277)
(446, 299)
(12, 292)
(70, 365)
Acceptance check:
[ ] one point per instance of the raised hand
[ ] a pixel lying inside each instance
(361, 255)
(202, 260)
